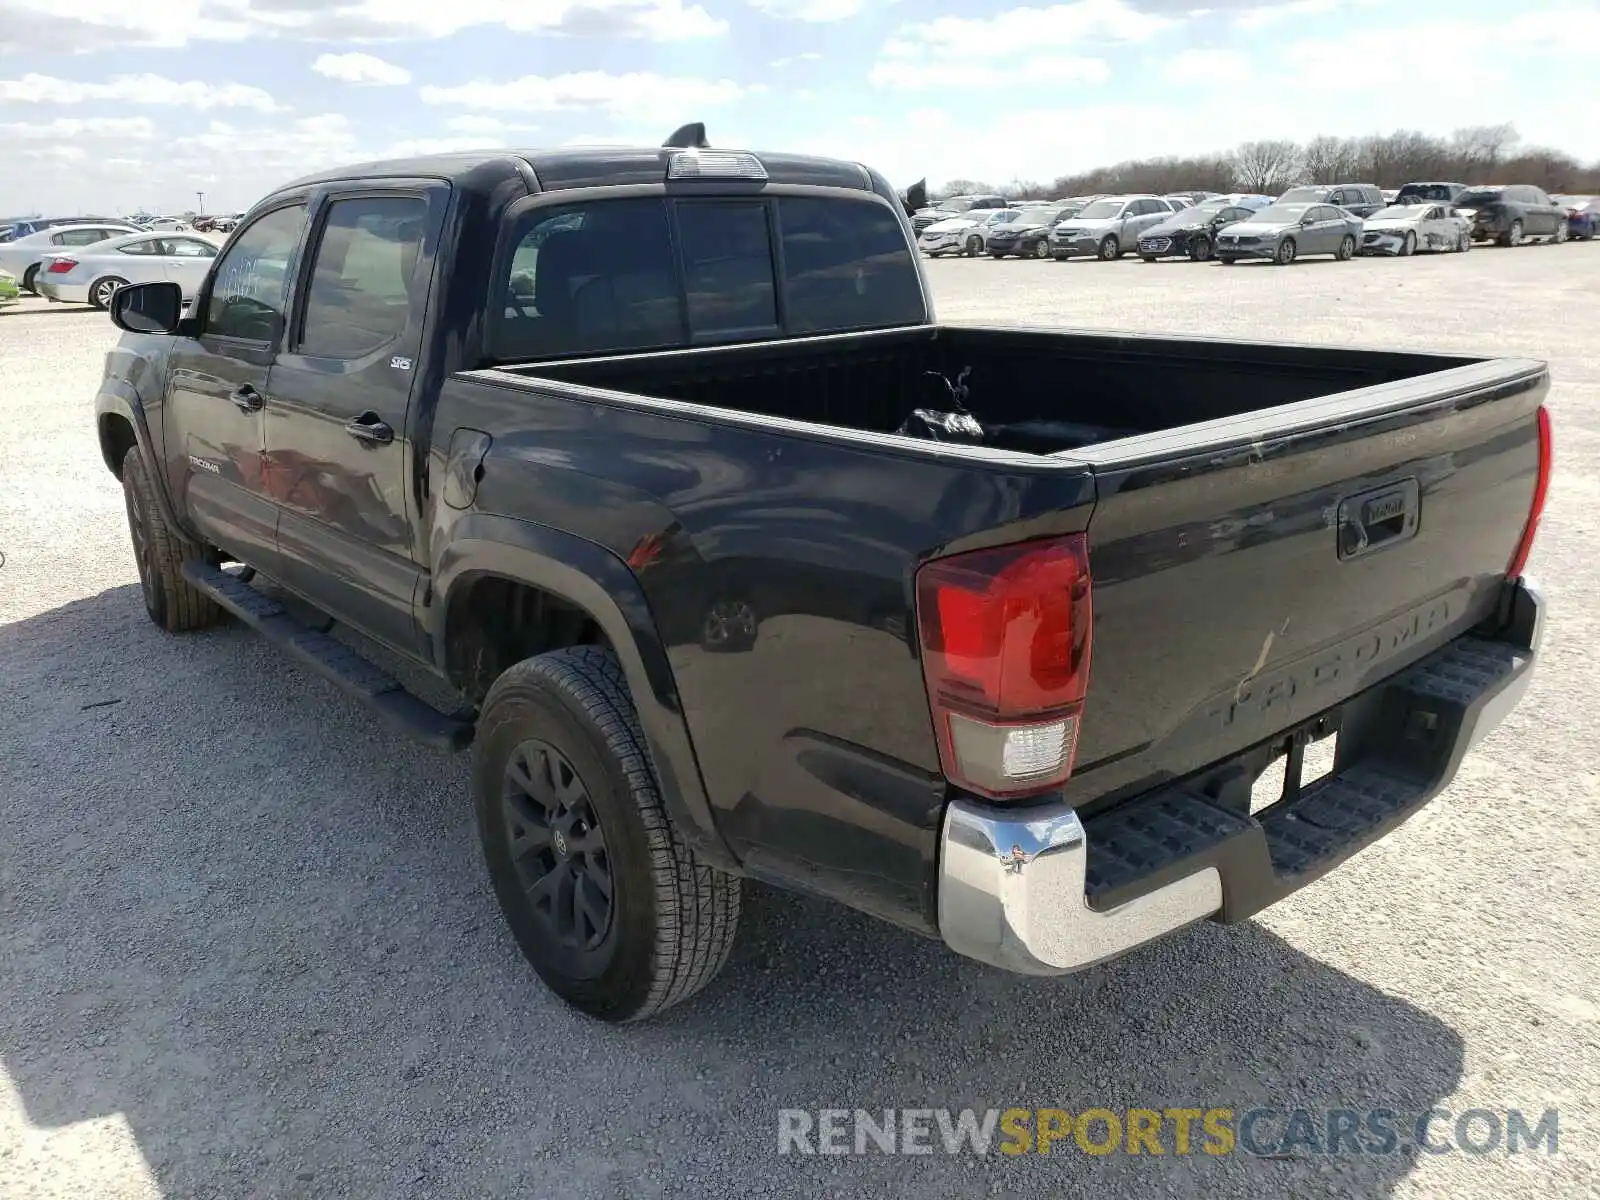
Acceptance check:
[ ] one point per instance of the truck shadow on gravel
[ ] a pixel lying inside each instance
(256, 927)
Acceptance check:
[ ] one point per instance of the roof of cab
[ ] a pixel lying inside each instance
(586, 166)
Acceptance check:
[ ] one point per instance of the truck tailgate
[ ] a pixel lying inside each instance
(1252, 572)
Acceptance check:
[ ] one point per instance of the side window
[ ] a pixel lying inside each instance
(846, 265)
(727, 263)
(252, 280)
(360, 293)
(187, 248)
(78, 237)
(142, 246)
(588, 277)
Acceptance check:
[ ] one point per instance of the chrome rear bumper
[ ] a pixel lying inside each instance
(1015, 886)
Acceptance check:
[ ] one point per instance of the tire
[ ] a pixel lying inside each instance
(160, 552)
(1347, 248)
(1513, 236)
(1199, 248)
(28, 278)
(1561, 233)
(992, 254)
(974, 245)
(1042, 250)
(670, 920)
(101, 291)
(1226, 260)
(1110, 248)
(1149, 258)
(1287, 249)
(1464, 243)
(1409, 246)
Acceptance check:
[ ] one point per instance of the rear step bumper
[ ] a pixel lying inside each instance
(1041, 892)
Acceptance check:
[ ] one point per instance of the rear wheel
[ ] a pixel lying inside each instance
(1110, 248)
(101, 291)
(605, 899)
(1347, 248)
(28, 278)
(1513, 236)
(1199, 248)
(1226, 260)
(1286, 252)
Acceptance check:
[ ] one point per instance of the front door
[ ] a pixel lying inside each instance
(186, 260)
(337, 450)
(218, 394)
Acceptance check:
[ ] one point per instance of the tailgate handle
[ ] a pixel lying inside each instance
(1382, 517)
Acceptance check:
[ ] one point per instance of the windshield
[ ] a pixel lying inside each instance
(1207, 208)
(1100, 209)
(1282, 214)
(1425, 191)
(1302, 193)
(1481, 196)
(1397, 210)
(1004, 217)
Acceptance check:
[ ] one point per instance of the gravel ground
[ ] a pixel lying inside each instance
(247, 947)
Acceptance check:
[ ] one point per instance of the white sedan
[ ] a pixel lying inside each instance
(93, 275)
(964, 232)
(1404, 229)
(24, 256)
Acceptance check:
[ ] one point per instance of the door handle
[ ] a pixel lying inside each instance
(246, 399)
(370, 427)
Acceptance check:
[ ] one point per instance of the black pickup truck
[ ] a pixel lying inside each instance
(741, 565)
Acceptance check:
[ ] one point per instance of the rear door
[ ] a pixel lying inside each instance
(337, 452)
(1233, 597)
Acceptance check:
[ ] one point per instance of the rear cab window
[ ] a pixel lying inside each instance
(623, 275)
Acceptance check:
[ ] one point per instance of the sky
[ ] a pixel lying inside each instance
(118, 106)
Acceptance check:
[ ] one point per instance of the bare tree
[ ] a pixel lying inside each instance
(962, 187)
(1267, 167)
(1482, 148)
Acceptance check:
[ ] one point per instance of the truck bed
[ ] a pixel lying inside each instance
(1036, 391)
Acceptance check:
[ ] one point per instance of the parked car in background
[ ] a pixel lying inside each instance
(1180, 201)
(1513, 213)
(1390, 195)
(10, 293)
(1250, 200)
(1284, 232)
(1108, 228)
(1416, 193)
(23, 256)
(963, 233)
(1363, 199)
(1403, 229)
(1029, 235)
(954, 206)
(1583, 215)
(1192, 232)
(93, 275)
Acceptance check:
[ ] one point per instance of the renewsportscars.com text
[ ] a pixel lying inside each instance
(1264, 1132)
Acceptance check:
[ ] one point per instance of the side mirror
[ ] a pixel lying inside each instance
(148, 307)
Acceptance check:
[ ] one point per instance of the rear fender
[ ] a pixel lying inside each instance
(593, 579)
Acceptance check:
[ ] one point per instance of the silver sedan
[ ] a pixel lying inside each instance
(1282, 233)
(93, 275)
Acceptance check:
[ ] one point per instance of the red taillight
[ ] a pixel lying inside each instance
(1005, 653)
(60, 266)
(1541, 488)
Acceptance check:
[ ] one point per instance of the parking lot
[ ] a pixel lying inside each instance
(247, 946)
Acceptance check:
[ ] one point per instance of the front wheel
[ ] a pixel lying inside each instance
(1408, 247)
(974, 246)
(1042, 250)
(1347, 248)
(1199, 249)
(100, 294)
(1561, 233)
(1226, 260)
(1110, 248)
(1286, 252)
(159, 552)
(1464, 243)
(605, 899)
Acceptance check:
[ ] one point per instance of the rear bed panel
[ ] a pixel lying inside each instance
(1224, 611)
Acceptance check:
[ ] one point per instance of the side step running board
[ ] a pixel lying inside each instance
(331, 659)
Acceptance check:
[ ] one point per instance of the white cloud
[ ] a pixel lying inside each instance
(77, 127)
(816, 11)
(639, 94)
(135, 89)
(808, 56)
(361, 69)
(476, 124)
(1207, 66)
(1043, 69)
(1267, 15)
(35, 26)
